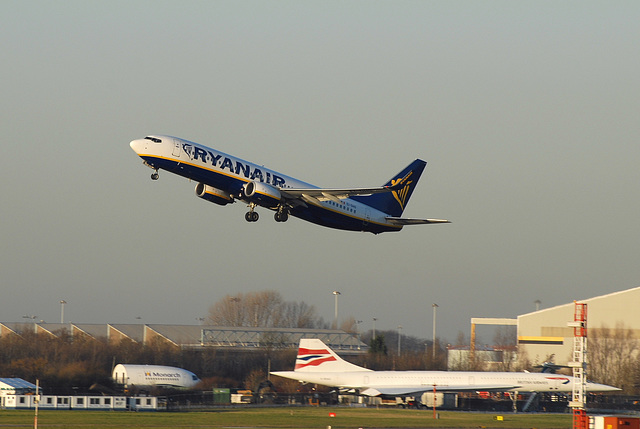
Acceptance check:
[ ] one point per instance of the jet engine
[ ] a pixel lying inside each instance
(262, 194)
(213, 195)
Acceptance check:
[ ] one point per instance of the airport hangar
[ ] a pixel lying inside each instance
(544, 335)
(546, 332)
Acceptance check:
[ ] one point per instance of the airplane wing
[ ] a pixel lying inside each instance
(409, 221)
(336, 194)
(315, 195)
(407, 390)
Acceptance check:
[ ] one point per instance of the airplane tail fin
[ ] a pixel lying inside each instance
(316, 356)
(394, 202)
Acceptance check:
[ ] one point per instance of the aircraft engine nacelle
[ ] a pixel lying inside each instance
(213, 195)
(262, 194)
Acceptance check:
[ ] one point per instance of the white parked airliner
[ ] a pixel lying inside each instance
(317, 363)
(145, 376)
(223, 179)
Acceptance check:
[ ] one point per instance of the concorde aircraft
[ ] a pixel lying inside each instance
(223, 179)
(317, 363)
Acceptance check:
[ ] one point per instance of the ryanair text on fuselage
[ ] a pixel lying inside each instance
(234, 166)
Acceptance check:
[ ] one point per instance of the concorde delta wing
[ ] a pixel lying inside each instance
(410, 390)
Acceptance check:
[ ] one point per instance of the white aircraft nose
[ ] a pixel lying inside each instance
(595, 387)
(137, 145)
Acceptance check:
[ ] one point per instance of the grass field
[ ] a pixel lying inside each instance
(303, 418)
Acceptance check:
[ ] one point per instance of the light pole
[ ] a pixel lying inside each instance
(62, 303)
(236, 316)
(374, 327)
(433, 345)
(399, 338)
(33, 318)
(358, 322)
(335, 317)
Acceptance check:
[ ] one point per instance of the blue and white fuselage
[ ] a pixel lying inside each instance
(223, 179)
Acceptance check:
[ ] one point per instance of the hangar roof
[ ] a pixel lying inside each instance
(195, 335)
(15, 383)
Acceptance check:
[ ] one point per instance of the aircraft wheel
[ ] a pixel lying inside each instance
(281, 216)
(154, 176)
(251, 216)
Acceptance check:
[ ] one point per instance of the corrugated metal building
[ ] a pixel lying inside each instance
(544, 334)
(195, 336)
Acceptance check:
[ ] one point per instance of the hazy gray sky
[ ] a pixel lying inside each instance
(527, 113)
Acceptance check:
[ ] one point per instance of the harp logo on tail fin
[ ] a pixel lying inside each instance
(401, 195)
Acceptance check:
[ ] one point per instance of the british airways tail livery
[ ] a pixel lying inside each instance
(317, 363)
(223, 179)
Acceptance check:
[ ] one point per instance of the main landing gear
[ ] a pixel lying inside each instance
(155, 175)
(281, 215)
(251, 215)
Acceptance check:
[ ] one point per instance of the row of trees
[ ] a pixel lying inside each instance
(613, 357)
(68, 365)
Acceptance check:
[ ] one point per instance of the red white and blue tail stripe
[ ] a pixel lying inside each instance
(316, 356)
(312, 357)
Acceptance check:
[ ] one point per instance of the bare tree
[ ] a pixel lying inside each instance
(505, 341)
(265, 309)
(349, 325)
(299, 315)
(612, 355)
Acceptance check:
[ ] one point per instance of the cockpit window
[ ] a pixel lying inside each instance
(153, 139)
(194, 378)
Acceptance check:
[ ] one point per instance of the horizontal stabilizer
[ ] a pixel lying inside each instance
(409, 221)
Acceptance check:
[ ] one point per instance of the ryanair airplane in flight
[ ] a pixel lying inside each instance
(223, 179)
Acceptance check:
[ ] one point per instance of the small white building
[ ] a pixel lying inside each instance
(16, 386)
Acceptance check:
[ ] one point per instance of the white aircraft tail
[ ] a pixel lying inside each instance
(316, 356)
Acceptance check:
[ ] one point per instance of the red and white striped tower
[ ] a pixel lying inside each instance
(579, 364)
